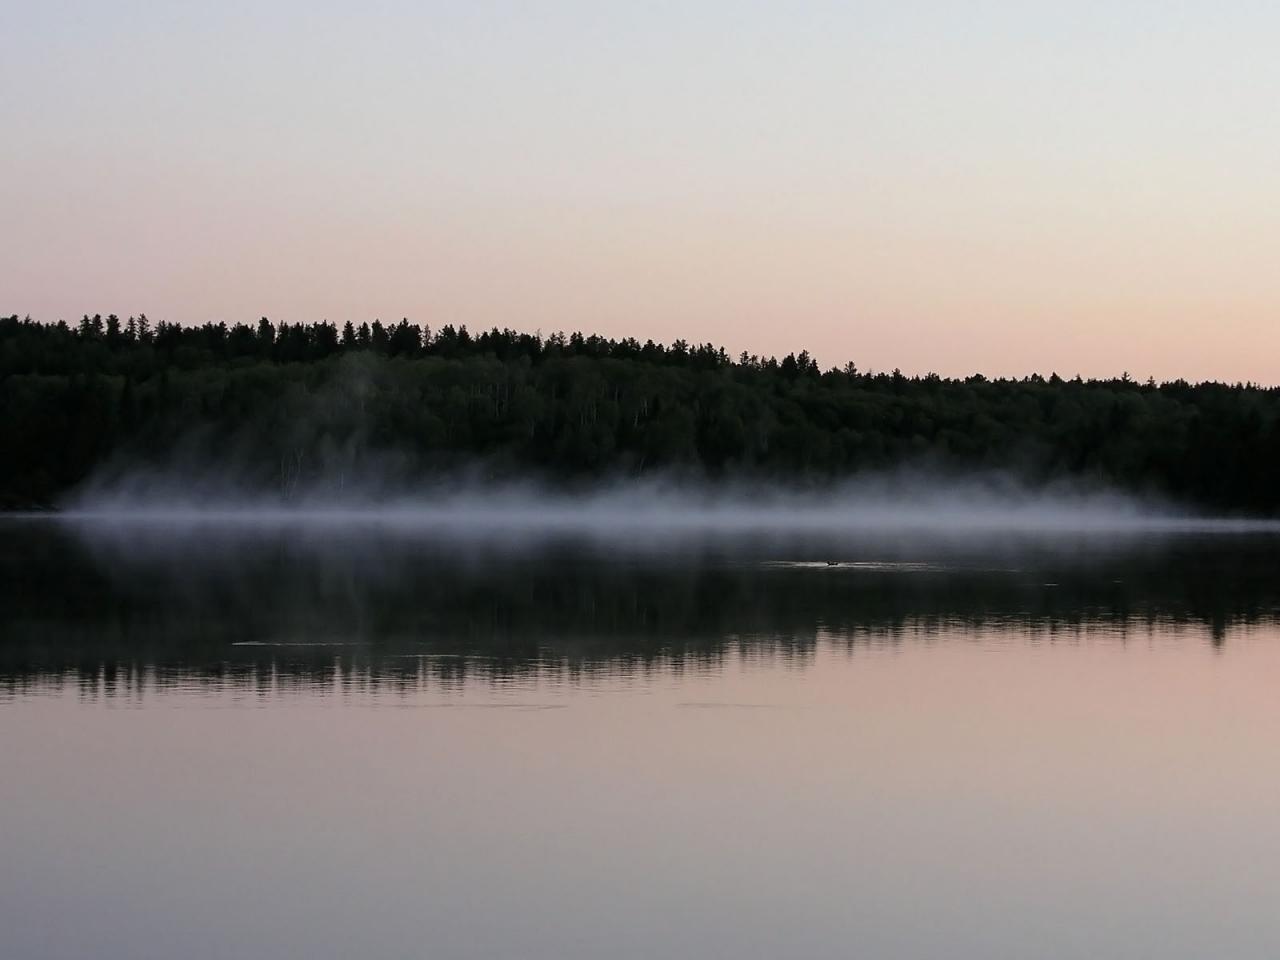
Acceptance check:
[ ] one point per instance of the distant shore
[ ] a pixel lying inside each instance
(300, 407)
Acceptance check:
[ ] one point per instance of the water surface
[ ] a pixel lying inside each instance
(336, 744)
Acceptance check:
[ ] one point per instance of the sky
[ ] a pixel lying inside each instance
(995, 187)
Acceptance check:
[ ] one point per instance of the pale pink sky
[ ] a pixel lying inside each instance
(998, 187)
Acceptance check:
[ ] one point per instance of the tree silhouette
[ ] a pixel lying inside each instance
(326, 399)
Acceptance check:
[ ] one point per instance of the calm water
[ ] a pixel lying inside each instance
(313, 746)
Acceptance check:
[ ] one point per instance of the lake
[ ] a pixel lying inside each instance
(336, 743)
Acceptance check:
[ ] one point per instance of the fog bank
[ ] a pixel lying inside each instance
(906, 502)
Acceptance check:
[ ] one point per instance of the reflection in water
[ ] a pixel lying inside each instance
(325, 747)
(118, 612)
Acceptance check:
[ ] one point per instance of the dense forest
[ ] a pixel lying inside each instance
(289, 406)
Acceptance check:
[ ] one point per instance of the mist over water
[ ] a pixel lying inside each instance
(517, 582)
(905, 502)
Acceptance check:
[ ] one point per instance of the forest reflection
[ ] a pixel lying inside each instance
(114, 614)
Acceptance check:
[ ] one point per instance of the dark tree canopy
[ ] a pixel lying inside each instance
(288, 402)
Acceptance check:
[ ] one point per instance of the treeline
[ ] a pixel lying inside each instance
(290, 406)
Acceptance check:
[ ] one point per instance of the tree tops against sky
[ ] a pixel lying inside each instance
(325, 398)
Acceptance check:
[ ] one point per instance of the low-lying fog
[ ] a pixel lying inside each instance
(906, 502)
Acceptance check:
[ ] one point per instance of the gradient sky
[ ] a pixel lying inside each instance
(1004, 187)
